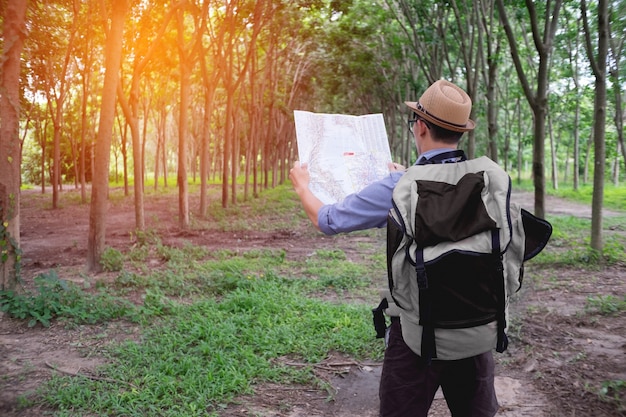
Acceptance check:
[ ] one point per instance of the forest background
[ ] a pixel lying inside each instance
(189, 105)
(131, 90)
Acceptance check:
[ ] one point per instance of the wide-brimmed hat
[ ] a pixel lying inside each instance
(446, 105)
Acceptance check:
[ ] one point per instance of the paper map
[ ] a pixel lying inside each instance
(344, 153)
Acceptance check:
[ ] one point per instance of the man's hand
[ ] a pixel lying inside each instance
(299, 176)
(395, 167)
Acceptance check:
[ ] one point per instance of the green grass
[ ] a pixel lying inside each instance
(614, 197)
(570, 243)
(212, 325)
(274, 209)
(55, 298)
(201, 355)
(330, 271)
(614, 391)
(606, 305)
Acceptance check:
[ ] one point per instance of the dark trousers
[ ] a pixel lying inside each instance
(408, 385)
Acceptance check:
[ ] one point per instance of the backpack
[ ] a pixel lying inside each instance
(455, 252)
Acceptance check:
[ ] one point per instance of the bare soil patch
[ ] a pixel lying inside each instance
(558, 359)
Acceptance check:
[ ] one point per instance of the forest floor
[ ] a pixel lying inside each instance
(560, 356)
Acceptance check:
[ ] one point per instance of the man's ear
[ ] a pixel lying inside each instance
(417, 129)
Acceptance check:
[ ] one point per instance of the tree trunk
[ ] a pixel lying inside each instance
(235, 149)
(576, 177)
(620, 114)
(140, 222)
(539, 157)
(130, 109)
(209, 91)
(124, 149)
(576, 168)
(520, 158)
(590, 141)
(227, 151)
(13, 42)
(144, 142)
(183, 193)
(164, 156)
(74, 145)
(100, 186)
(185, 73)
(566, 169)
(40, 134)
(83, 130)
(161, 156)
(56, 155)
(616, 166)
(187, 53)
(553, 162)
(598, 65)
(204, 155)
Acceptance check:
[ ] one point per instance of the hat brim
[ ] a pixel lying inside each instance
(470, 125)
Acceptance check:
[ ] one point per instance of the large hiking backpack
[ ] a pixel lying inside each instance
(455, 252)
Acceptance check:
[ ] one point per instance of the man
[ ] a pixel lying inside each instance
(408, 384)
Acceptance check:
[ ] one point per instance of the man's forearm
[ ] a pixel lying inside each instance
(311, 205)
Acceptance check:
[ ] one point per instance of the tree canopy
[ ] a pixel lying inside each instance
(208, 89)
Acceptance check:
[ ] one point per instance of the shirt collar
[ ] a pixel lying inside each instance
(431, 153)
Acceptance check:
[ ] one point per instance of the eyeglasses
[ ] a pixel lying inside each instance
(415, 118)
(411, 122)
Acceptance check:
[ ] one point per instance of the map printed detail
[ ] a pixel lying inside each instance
(344, 153)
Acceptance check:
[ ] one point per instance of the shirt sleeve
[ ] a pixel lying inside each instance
(366, 209)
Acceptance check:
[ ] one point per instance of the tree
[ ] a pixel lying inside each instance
(56, 80)
(143, 52)
(100, 186)
(235, 58)
(85, 57)
(425, 25)
(599, 68)
(538, 99)
(209, 86)
(13, 34)
(187, 59)
(467, 33)
(573, 47)
(489, 36)
(617, 34)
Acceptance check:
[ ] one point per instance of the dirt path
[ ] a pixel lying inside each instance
(555, 366)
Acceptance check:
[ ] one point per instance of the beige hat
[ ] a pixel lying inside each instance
(445, 105)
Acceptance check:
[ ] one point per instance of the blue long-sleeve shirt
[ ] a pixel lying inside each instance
(366, 209)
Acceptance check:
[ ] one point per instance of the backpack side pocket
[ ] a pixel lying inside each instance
(396, 243)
